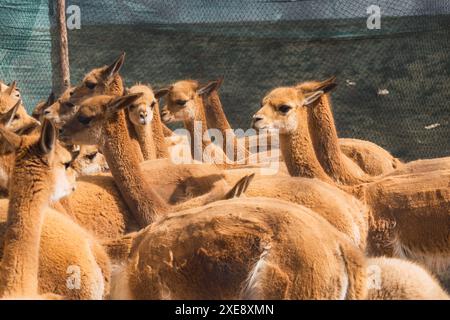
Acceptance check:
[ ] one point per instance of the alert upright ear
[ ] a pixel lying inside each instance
(326, 85)
(210, 86)
(114, 67)
(312, 97)
(51, 99)
(162, 92)
(120, 103)
(8, 117)
(11, 88)
(47, 140)
(10, 138)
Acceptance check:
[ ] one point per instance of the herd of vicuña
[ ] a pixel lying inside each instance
(96, 203)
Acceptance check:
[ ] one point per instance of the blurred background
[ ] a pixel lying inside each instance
(394, 82)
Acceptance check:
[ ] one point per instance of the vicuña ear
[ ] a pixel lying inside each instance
(114, 68)
(326, 85)
(51, 99)
(210, 86)
(162, 92)
(311, 97)
(11, 88)
(120, 103)
(12, 139)
(47, 139)
(75, 153)
(9, 116)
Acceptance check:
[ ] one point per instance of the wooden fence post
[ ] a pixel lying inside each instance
(62, 80)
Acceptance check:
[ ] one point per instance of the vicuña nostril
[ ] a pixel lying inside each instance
(257, 118)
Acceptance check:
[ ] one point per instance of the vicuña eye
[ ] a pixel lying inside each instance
(90, 85)
(91, 156)
(67, 164)
(84, 120)
(181, 102)
(153, 104)
(284, 108)
(69, 105)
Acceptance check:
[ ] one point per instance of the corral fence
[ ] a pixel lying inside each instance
(393, 67)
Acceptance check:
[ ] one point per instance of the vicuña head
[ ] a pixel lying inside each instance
(12, 112)
(183, 101)
(45, 152)
(41, 174)
(103, 80)
(279, 109)
(58, 111)
(88, 160)
(11, 89)
(38, 111)
(85, 127)
(141, 111)
(99, 81)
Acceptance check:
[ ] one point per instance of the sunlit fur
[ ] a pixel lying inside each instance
(269, 115)
(181, 91)
(141, 111)
(36, 238)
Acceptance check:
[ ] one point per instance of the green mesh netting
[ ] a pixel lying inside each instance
(257, 45)
(25, 50)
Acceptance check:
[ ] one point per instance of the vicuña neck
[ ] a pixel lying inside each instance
(197, 128)
(158, 135)
(216, 119)
(326, 145)
(29, 196)
(215, 116)
(144, 134)
(115, 88)
(298, 152)
(124, 163)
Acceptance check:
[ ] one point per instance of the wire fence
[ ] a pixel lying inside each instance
(393, 82)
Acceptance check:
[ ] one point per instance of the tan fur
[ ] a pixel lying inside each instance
(89, 161)
(99, 81)
(192, 114)
(112, 218)
(423, 166)
(128, 168)
(177, 181)
(21, 119)
(188, 113)
(167, 132)
(61, 109)
(108, 127)
(367, 155)
(334, 153)
(410, 215)
(40, 174)
(15, 120)
(216, 119)
(395, 279)
(343, 211)
(64, 244)
(11, 89)
(371, 158)
(144, 114)
(290, 253)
